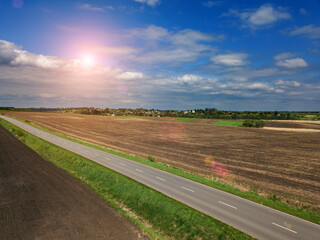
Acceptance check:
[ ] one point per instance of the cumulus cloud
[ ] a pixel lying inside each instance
(263, 16)
(284, 56)
(231, 59)
(151, 3)
(160, 45)
(8, 52)
(310, 31)
(12, 54)
(292, 63)
(31, 76)
(86, 6)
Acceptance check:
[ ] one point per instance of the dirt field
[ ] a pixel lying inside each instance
(294, 124)
(40, 201)
(284, 163)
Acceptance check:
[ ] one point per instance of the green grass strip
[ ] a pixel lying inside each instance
(166, 216)
(229, 123)
(273, 202)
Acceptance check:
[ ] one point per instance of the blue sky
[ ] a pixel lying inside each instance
(232, 55)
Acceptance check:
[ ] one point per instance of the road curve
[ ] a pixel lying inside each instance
(252, 218)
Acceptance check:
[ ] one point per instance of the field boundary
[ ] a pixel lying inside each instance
(273, 202)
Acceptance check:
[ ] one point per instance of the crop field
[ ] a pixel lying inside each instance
(229, 123)
(271, 162)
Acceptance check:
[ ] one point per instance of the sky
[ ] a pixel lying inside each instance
(161, 54)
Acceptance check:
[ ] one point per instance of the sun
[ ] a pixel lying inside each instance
(88, 60)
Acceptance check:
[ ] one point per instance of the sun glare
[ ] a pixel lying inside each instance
(88, 60)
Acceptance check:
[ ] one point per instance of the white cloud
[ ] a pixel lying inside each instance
(130, 76)
(8, 52)
(303, 11)
(86, 6)
(12, 54)
(263, 16)
(160, 45)
(310, 31)
(279, 90)
(150, 33)
(113, 51)
(231, 59)
(151, 3)
(247, 86)
(189, 78)
(53, 81)
(292, 63)
(212, 3)
(287, 83)
(284, 56)
(246, 74)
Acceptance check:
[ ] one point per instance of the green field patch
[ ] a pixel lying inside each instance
(183, 119)
(229, 123)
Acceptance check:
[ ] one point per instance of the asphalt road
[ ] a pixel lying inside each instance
(250, 217)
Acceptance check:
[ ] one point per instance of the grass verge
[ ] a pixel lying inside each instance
(229, 123)
(155, 213)
(273, 202)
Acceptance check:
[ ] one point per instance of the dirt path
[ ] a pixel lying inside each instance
(41, 201)
(292, 129)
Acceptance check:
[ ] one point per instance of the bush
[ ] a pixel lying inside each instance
(260, 124)
(150, 158)
(251, 123)
(247, 123)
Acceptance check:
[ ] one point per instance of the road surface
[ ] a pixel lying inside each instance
(252, 218)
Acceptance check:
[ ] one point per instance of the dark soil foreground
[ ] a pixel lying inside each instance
(41, 201)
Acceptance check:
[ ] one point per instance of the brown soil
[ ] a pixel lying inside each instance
(40, 201)
(294, 124)
(284, 163)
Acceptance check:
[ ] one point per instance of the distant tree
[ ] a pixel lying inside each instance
(260, 124)
(247, 123)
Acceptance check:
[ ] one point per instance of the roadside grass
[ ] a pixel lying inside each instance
(183, 119)
(273, 201)
(229, 123)
(159, 216)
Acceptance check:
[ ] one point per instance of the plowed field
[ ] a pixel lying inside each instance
(41, 201)
(284, 163)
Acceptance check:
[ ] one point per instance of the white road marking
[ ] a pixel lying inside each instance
(107, 158)
(139, 170)
(162, 179)
(122, 164)
(284, 227)
(86, 151)
(188, 189)
(227, 205)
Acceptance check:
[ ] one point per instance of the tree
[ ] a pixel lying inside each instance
(247, 123)
(260, 124)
